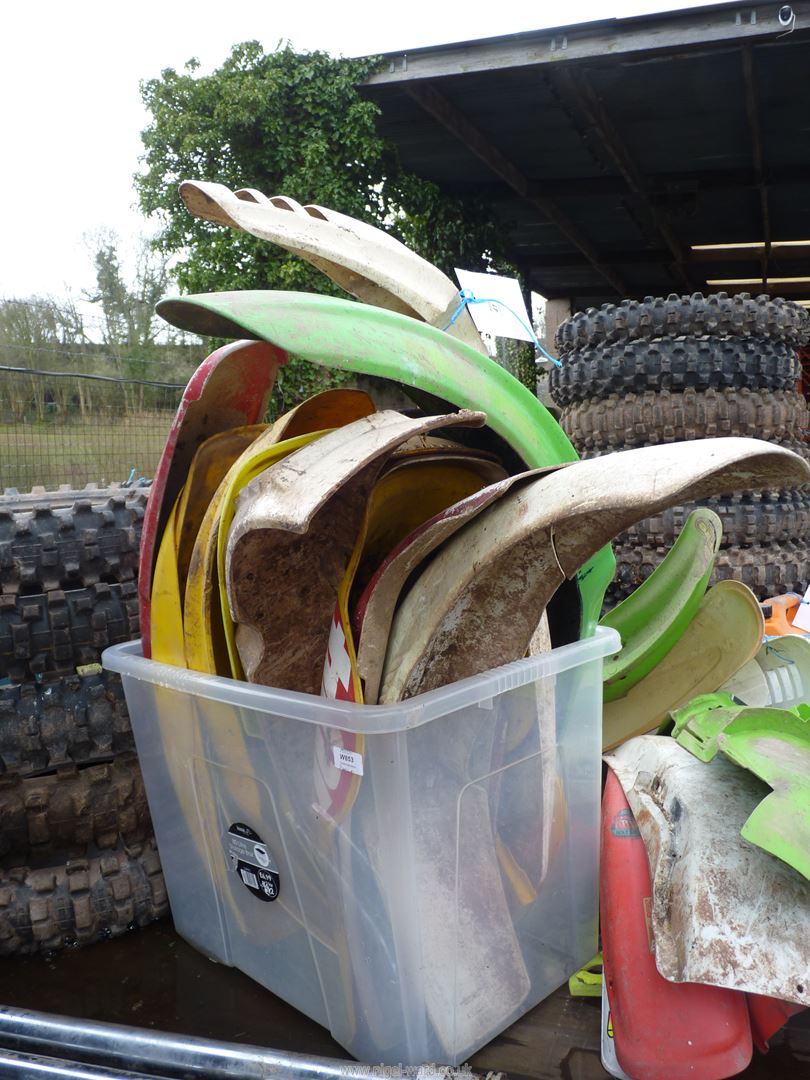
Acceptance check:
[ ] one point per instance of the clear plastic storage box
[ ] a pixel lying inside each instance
(414, 877)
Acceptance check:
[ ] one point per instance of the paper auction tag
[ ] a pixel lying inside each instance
(497, 318)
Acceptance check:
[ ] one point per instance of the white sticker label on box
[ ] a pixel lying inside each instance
(348, 760)
(801, 620)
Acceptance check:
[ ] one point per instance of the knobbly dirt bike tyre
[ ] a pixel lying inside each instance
(50, 547)
(57, 632)
(12, 498)
(674, 364)
(676, 316)
(72, 809)
(746, 519)
(81, 901)
(71, 719)
(620, 422)
(767, 569)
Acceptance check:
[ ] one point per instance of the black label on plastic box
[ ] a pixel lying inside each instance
(252, 861)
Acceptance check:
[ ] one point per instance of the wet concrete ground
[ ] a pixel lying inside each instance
(153, 979)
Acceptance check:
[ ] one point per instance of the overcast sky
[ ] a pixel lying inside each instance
(71, 110)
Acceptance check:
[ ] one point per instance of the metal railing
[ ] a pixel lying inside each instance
(89, 1050)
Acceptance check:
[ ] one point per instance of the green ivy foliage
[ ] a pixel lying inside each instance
(294, 124)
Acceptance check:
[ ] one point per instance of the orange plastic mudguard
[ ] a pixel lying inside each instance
(779, 612)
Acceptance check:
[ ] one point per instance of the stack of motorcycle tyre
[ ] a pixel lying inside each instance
(693, 367)
(78, 861)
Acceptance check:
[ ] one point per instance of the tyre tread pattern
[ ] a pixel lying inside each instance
(645, 419)
(77, 718)
(674, 316)
(81, 901)
(56, 632)
(767, 569)
(675, 364)
(12, 498)
(51, 548)
(67, 811)
(747, 519)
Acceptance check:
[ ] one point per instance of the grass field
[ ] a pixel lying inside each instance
(97, 450)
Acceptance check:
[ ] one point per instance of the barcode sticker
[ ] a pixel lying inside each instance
(249, 879)
(801, 619)
(348, 760)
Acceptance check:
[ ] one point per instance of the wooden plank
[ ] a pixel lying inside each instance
(558, 1039)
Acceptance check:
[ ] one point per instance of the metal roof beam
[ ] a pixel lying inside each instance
(451, 118)
(577, 92)
(776, 288)
(741, 258)
(727, 179)
(593, 294)
(577, 261)
(754, 127)
(778, 253)
(668, 184)
(695, 30)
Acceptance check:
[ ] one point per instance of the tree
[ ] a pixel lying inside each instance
(141, 346)
(294, 124)
(133, 336)
(42, 335)
(128, 312)
(38, 323)
(37, 332)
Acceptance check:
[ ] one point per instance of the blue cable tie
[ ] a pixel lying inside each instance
(467, 296)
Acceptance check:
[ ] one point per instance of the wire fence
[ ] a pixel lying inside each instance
(76, 428)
